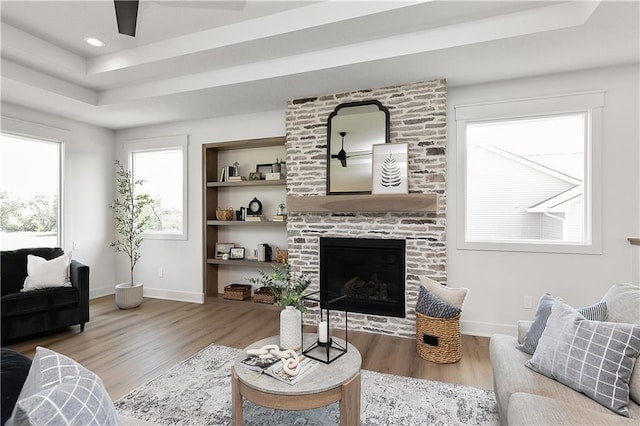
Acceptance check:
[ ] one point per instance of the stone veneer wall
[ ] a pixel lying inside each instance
(418, 117)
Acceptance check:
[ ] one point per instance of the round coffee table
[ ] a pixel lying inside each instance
(325, 384)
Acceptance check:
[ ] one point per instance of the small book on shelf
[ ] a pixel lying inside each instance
(237, 178)
(254, 218)
(279, 217)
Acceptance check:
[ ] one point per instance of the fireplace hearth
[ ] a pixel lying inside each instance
(371, 272)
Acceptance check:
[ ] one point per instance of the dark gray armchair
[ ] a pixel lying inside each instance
(27, 313)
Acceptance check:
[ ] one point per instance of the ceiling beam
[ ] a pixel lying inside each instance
(547, 18)
(298, 19)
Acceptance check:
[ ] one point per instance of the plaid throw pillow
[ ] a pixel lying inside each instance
(596, 312)
(432, 306)
(592, 357)
(59, 391)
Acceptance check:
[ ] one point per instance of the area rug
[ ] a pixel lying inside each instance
(198, 392)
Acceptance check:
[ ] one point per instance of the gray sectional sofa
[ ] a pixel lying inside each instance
(527, 398)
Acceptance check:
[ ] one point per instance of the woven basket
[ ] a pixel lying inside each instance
(437, 339)
(224, 214)
(237, 291)
(264, 295)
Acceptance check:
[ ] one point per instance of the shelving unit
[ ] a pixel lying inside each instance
(214, 191)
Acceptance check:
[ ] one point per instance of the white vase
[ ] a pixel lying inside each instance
(128, 296)
(290, 328)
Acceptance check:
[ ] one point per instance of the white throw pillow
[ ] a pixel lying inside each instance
(43, 273)
(454, 296)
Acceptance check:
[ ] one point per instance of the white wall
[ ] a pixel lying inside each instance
(181, 261)
(88, 187)
(498, 281)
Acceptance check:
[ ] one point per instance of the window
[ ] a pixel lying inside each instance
(162, 164)
(30, 182)
(530, 174)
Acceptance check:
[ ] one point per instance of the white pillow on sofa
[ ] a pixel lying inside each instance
(43, 273)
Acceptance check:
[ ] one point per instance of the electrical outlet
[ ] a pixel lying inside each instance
(76, 245)
(160, 272)
(528, 302)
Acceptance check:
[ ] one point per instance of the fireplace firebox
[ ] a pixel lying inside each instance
(371, 272)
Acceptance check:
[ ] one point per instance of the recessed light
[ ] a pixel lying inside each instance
(94, 41)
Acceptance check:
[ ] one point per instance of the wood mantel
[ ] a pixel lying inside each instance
(379, 203)
(634, 241)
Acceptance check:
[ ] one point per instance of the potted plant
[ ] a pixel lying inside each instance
(130, 220)
(289, 289)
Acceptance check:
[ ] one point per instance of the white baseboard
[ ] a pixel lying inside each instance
(487, 329)
(101, 291)
(178, 296)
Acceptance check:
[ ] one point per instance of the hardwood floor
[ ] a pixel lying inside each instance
(127, 348)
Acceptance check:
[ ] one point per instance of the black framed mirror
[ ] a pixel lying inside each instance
(352, 129)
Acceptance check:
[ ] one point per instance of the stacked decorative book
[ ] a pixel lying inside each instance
(254, 218)
(279, 217)
(237, 178)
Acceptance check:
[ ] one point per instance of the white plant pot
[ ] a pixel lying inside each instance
(128, 296)
(290, 329)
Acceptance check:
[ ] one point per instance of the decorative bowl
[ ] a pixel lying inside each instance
(224, 214)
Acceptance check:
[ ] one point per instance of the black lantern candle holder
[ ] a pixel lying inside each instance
(326, 349)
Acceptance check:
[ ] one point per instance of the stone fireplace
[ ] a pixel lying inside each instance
(418, 118)
(370, 272)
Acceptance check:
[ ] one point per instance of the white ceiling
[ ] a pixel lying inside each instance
(193, 60)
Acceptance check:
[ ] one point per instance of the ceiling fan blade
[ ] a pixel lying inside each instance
(342, 156)
(126, 16)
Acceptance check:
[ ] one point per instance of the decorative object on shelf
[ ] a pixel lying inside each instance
(224, 214)
(131, 217)
(223, 248)
(282, 255)
(241, 214)
(282, 209)
(390, 162)
(254, 176)
(236, 253)
(289, 289)
(264, 252)
(325, 349)
(237, 291)
(264, 295)
(237, 178)
(352, 129)
(236, 169)
(263, 169)
(272, 176)
(275, 167)
(226, 173)
(255, 218)
(255, 207)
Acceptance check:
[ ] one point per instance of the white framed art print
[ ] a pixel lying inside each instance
(390, 161)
